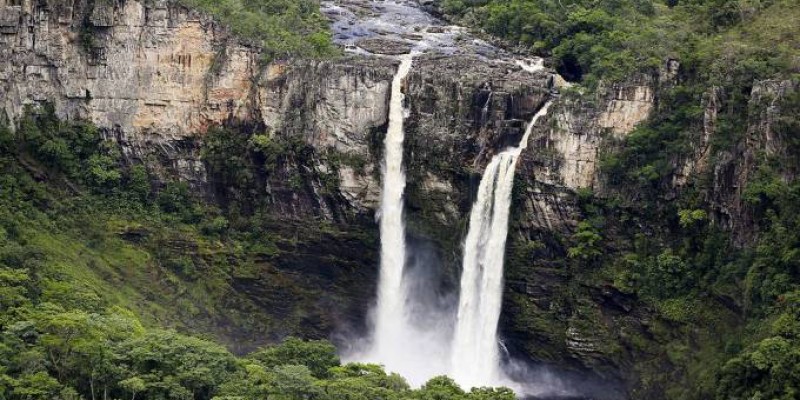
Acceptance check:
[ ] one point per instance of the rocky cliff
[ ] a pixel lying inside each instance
(156, 77)
(155, 74)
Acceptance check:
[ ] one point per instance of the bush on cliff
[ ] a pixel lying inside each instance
(87, 287)
(725, 40)
(285, 28)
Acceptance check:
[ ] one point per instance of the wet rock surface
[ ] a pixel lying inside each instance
(401, 21)
(385, 46)
(159, 75)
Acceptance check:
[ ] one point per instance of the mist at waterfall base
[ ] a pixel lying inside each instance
(425, 349)
(420, 327)
(421, 345)
(409, 334)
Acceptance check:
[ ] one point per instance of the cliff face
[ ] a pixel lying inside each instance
(151, 73)
(156, 76)
(735, 168)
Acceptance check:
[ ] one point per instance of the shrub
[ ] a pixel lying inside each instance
(318, 356)
(285, 28)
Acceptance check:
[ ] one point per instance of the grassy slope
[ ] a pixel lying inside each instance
(712, 306)
(175, 260)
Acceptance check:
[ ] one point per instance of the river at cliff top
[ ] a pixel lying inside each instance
(402, 341)
(394, 27)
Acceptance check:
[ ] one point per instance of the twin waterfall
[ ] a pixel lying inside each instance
(476, 361)
(391, 317)
(469, 351)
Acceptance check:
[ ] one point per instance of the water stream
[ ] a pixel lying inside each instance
(391, 320)
(477, 361)
(400, 339)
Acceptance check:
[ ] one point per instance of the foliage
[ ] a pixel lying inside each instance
(74, 149)
(770, 369)
(670, 245)
(68, 283)
(689, 218)
(731, 40)
(596, 39)
(318, 356)
(285, 28)
(645, 158)
(587, 242)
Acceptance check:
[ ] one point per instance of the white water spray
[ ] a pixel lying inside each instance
(531, 65)
(416, 352)
(391, 318)
(476, 360)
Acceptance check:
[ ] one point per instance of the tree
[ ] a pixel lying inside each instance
(174, 365)
(294, 382)
(486, 393)
(251, 381)
(587, 242)
(363, 382)
(37, 386)
(440, 388)
(318, 355)
(133, 385)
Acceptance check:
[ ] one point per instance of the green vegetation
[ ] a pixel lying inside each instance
(88, 280)
(105, 269)
(723, 40)
(50, 352)
(731, 306)
(730, 311)
(284, 28)
(79, 221)
(770, 368)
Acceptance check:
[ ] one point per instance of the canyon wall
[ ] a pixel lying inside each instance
(155, 77)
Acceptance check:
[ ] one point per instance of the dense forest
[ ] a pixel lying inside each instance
(71, 224)
(89, 274)
(726, 43)
(694, 271)
(283, 28)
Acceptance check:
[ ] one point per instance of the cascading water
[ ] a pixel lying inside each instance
(391, 319)
(476, 360)
(413, 332)
(403, 340)
(416, 352)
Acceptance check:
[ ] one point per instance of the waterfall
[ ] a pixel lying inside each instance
(475, 360)
(391, 319)
(409, 337)
(413, 346)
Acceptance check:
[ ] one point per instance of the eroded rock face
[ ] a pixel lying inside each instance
(153, 73)
(156, 76)
(735, 168)
(698, 164)
(629, 105)
(339, 106)
(569, 141)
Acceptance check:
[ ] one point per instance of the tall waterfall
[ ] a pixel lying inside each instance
(391, 319)
(475, 360)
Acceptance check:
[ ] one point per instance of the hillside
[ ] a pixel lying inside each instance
(185, 182)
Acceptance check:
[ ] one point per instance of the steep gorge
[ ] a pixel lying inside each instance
(159, 75)
(156, 77)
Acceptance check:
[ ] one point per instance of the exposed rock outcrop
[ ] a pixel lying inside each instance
(155, 76)
(736, 167)
(151, 72)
